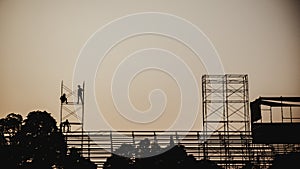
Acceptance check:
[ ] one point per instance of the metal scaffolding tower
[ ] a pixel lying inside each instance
(226, 112)
(72, 109)
(225, 103)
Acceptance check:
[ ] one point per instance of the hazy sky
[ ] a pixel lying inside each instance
(41, 40)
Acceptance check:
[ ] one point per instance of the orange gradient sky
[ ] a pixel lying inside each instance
(41, 40)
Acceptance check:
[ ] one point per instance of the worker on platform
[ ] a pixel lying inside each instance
(79, 94)
(66, 124)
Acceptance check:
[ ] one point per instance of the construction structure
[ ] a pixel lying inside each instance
(72, 109)
(225, 111)
(276, 122)
(232, 136)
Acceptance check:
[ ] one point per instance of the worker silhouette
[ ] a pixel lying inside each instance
(79, 94)
(63, 98)
(66, 124)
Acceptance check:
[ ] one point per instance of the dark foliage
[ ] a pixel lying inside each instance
(11, 125)
(36, 143)
(175, 157)
(75, 161)
(39, 141)
(290, 161)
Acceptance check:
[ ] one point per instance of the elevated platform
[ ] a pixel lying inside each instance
(229, 151)
(275, 120)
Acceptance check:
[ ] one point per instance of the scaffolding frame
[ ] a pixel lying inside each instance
(72, 111)
(226, 111)
(225, 103)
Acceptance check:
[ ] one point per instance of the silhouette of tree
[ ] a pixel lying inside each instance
(126, 150)
(155, 149)
(8, 156)
(9, 127)
(36, 143)
(174, 157)
(290, 161)
(207, 164)
(147, 149)
(13, 123)
(2, 128)
(121, 158)
(143, 149)
(2, 140)
(118, 162)
(75, 161)
(250, 165)
(40, 143)
(2, 125)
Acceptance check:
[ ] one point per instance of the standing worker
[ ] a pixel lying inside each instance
(79, 94)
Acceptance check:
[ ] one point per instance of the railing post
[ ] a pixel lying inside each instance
(89, 147)
(111, 142)
(133, 137)
(198, 147)
(176, 134)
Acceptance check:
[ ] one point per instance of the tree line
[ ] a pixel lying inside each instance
(147, 155)
(36, 142)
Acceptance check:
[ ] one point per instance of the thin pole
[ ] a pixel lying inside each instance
(82, 115)
(60, 118)
(111, 142)
(291, 114)
(281, 109)
(225, 104)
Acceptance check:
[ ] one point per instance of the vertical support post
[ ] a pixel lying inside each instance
(82, 115)
(111, 142)
(61, 107)
(204, 116)
(177, 139)
(198, 147)
(225, 103)
(271, 115)
(281, 110)
(246, 104)
(205, 154)
(89, 151)
(291, 114)
(133, 138)
(203, 103)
